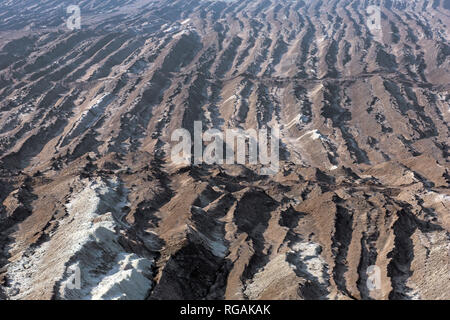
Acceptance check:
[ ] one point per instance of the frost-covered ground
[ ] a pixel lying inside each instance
(83, 256)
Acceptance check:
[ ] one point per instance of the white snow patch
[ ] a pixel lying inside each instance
(86, 238)
(313, 134)
(126, 281)
(310, 260)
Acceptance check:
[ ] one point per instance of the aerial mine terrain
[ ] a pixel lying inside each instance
(87, 182)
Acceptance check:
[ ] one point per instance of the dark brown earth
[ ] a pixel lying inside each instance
(86, 178)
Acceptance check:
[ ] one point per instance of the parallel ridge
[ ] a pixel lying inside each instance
(364, 123)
